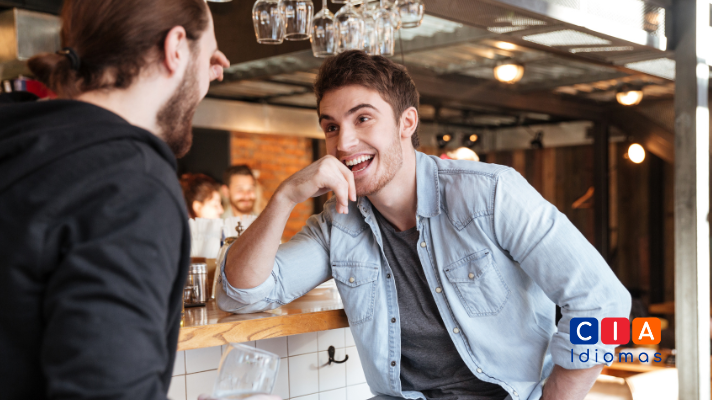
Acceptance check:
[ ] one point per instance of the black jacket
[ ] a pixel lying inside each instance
(94, 251)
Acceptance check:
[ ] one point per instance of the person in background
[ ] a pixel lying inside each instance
(94, 236)
(240, 188)
(202, 196)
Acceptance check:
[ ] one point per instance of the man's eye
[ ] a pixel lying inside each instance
(331, 128)
(364, 118)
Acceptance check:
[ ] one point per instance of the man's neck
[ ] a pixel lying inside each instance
(138, 104)
(398, 200)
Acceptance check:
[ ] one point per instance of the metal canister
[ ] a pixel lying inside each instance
(197, 279)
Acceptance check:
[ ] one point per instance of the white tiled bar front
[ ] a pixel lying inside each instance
(303, 373)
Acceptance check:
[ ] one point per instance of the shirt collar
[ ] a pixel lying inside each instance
(428, 187)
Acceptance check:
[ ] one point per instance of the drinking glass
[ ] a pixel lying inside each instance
(370, 37)
(411, 12)
(323, 37)
(268, 21)
(349, 28)
(297, 18)
(386, 23)
(245, 371)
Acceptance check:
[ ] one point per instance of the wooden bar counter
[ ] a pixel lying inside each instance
(319, 310)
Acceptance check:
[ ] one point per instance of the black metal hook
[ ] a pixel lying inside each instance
(332, 352)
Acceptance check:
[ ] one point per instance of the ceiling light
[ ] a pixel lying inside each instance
(629, 96)
(505, 46)
(636, 153)
(446, 138)
(508, 72)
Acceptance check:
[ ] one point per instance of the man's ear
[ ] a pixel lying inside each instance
(197, 207)
(175, 49)
(408, 123)
(224, 191)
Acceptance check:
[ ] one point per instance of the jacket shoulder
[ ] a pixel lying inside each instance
(467, 189)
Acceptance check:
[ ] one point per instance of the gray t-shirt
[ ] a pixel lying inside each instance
(430, 362)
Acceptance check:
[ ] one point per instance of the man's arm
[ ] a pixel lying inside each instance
(251, 258)
(114, 296)
(565, 265)
(570, 383)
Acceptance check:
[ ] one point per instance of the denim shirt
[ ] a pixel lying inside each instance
(497, 257)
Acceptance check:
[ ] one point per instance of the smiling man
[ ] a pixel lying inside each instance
(449, 271)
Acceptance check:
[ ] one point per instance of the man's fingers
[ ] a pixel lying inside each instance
(346, 172)
(217, 62)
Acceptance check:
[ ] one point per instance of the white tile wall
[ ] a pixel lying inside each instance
(200, 360)
(200, 383)
(302, 344)
(177, 389)
(179, 365)
(302, 373)
(354, 371)
(338, 394)
(334, 337)
(358, 392)
(277, 346)
(331, 376)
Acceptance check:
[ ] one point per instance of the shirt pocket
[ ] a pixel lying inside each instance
(356, 282)
(479, 284)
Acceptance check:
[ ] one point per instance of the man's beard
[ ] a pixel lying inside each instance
(175, 119)
(390, 162)
(244, 210)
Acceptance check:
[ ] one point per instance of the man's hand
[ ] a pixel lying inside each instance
(217, 62)
(322, 176)
(570, 384)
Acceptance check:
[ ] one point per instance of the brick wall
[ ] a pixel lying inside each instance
(276, 157)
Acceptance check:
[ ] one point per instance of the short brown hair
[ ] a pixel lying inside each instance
(241, 169)
(197, 187)
(378, 73)
(114, 40)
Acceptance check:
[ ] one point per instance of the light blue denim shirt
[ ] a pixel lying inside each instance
(497, 257)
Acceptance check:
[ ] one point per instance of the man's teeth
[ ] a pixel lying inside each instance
(358, 160)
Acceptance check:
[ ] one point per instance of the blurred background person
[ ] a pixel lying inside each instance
(241, 189)
(202, 196)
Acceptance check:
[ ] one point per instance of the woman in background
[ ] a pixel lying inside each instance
(202, 196)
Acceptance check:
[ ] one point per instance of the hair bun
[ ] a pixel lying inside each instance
(51, 69)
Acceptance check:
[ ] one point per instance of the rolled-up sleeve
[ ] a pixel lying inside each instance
(301, 264)
(572, 273)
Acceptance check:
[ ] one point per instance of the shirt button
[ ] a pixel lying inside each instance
(515, 393)
(393, 363)
(438, 290)
(393, 320)
(352, 279)
(479, 370)
(456, 330)
(422, 244)
(388, 276)
(472, 276)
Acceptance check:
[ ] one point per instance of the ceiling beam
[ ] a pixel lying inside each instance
(434, 87)
(651, 136)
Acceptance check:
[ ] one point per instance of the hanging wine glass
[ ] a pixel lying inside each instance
(370, 37)
(297, 18)
(387, 22)
(349, 28)
(323, 35)
(268, 21)
(411, 12)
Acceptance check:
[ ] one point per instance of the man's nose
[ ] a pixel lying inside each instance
(347, 140)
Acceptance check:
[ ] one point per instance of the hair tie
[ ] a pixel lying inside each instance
(73, 57)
